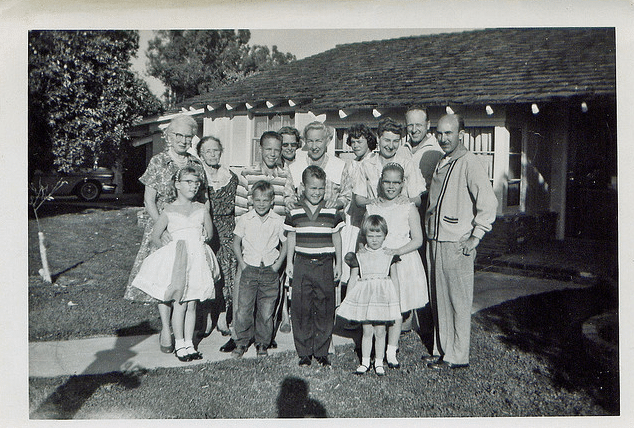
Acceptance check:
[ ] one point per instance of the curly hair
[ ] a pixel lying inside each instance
(361, 130)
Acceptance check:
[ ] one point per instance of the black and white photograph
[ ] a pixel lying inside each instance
(201, 193)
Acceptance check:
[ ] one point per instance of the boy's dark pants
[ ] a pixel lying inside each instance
(259, 284)
(313, 305)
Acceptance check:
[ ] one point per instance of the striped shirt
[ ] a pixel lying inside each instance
(313, 231)
(249, 176)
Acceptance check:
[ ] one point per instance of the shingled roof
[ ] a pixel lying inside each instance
(475, 67)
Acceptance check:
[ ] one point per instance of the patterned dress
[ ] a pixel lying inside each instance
(158, 176)
(223, 217)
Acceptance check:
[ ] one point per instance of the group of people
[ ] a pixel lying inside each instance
(396, 228)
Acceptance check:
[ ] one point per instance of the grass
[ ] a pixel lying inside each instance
(527, 354)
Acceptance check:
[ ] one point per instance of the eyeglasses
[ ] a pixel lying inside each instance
(191, 183)
(294, 145)
(186, 138)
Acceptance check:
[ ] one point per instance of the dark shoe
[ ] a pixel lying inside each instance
(238, 352)
(430, 358)
(229, 346)
(193, 353)
(184, 356)
(393, 365)
(458, 366)
(324, 361)
(304, 361)
(167, 349)
(440, 365)
(261, 351)
(273, 344)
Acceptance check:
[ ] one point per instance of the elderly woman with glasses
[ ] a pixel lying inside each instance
(159, 190)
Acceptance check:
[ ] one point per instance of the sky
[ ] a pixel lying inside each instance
(301, 43)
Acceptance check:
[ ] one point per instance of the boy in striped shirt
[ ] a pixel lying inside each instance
(313, 241)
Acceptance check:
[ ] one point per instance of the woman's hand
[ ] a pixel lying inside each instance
(166, 238)
(391, 251)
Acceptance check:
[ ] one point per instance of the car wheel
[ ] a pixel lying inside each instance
(89, 191)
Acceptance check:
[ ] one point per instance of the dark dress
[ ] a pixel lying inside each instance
(223, 218)
(158, 176)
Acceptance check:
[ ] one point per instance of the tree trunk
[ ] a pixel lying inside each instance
(45, 272)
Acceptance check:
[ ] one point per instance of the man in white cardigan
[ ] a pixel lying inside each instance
(461, 209)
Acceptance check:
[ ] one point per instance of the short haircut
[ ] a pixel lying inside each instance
(328, 133)
(208, 138)
(263, 187)
(185, 120)
(418, 107)
(392, 166)
(390, 125)
(455, 117)
(374, 223)
(361, 130)
(313, 171)
(186, 170)
(270, 134)
(289, 130)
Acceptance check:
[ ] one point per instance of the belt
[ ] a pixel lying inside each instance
(315, 257)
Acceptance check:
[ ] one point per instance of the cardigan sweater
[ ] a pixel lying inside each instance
(461, 200)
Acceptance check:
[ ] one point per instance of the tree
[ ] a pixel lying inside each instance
(83, 97)
(192, 62)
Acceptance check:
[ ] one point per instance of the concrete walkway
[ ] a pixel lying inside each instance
(108, 354)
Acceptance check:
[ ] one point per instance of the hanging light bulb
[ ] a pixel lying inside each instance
(229, 106)
(534, 108)
(343, 114)
(489, 110)
(584, 107)
(248, 106)
(449, 110)
(376, 113)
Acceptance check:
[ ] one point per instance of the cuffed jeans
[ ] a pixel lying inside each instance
(313, 305)
(259, 287)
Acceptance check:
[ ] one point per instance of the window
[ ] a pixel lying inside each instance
(262, 124)
(480, 142)
(515, 167)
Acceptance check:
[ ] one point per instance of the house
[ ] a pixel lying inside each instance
(539, 107)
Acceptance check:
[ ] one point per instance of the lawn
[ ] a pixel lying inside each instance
(527, 354)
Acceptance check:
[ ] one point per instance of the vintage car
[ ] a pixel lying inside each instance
(86, 184)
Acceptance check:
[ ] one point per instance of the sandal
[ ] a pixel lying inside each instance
(193, 354)
(184, 356)
(362, 369)
(379, 370)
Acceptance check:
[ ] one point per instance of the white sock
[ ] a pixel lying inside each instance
(179, 343)
(391, 353)
(365, 361)
(189, 344)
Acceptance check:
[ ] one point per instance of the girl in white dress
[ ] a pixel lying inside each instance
(185, 269)
(404, 238)
(372, 298)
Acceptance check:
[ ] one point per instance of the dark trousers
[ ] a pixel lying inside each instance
(259, 287)
(313, 305)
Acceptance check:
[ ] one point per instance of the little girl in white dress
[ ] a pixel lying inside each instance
(185, 269)
(372, 297)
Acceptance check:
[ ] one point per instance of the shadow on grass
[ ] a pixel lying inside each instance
(549, 325)
(69, 398)
(293, 401)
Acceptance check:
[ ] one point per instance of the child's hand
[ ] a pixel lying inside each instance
(291, 203)
(289, 270)
(337, 273)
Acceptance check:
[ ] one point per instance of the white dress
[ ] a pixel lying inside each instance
(410, 271)
(374, 297)
(185, 269)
